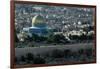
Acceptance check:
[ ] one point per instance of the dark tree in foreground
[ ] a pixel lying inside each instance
(34, 37)
(89, 52)
(67, 53)
(37, 38)
(15, 37)
(22, 59)
(39, 60)
(58, 38)
(57, 53)
(29, 56)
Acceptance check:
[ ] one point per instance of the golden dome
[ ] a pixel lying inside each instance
(38, 21)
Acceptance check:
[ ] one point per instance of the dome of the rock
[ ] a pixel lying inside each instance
(38, 21)
(39, 27)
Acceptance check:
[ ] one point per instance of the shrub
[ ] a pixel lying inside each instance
(89, 52)
(22, 58)
(81, 51)
(16, 38)
(67, 52)
(46, 54)
(57, 38)
(57, 53)
(29, 56)
(39, 60)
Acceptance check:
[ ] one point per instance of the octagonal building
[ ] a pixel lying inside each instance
(39, 27)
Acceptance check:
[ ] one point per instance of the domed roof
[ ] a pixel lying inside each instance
(38, 21)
